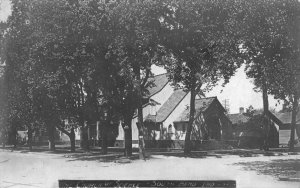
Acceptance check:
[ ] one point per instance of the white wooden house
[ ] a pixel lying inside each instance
(164, 105)
(165, 109)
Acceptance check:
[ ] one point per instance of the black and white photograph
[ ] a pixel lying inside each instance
(150, 93)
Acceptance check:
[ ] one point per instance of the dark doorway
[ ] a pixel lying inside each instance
(214, 127)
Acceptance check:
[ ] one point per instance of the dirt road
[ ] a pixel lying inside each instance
(43, 170)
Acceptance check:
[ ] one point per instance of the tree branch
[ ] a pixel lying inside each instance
(146, 78)
(63, 130)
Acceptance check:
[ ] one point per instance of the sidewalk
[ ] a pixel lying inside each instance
(44, 171)
(116, 155)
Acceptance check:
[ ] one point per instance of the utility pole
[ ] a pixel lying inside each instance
(226, 105)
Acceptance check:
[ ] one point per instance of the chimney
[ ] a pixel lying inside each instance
(242, 110)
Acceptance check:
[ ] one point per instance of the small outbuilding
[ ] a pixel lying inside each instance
(285, 127)
(210, 121)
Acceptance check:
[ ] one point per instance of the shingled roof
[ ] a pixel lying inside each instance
(150, 118)
(167, 108)
(159, 82)
(286, 117)
(200, 105)
(238, 118)
(242, 118)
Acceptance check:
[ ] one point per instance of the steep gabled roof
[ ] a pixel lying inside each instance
(275, 118)
(169, 106)
(201, 105)
(242, 118)
(286, 117)
(238, 118)
(150, 118)
(159, 82)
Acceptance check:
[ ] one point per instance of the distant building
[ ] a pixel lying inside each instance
(285, 128)
(210, 121)
(238, 120)
(251, 131)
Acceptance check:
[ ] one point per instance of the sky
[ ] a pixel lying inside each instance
(239, 91)
(4, 9)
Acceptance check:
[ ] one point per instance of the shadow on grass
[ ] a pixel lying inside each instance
(41, 149)
(110, 157)
(93, 154)
(117, 155)
(182, 154)
(276, 168)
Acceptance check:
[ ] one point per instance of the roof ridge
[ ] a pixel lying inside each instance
(285, 112)
(185, 94)
(163, 86)
(201, 108)
(206, 98)
(237, 114)
(159, 74)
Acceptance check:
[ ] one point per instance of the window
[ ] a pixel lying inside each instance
(170, 129)
(153, 110)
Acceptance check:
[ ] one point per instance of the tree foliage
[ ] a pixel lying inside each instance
(272, 48)
(201, 43)
(76, 60)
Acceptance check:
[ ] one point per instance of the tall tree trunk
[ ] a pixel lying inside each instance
(72, 140)
(266, 111)
(4, 138)
(104, 136)
(3, 143)
(187, 143)
(293, 123)
(83, 136)
(51, 137)
(70, 134)
(128, 136)
(14, 137)
(128, 113)
(140, 124)
(265, 98)
(29, 140)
